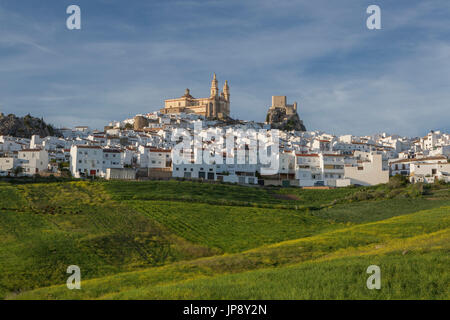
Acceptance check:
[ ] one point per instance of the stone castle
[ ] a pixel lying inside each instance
(284, 116)
(217, 106)
(281, 102)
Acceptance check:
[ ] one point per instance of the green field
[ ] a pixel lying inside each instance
(192, 240)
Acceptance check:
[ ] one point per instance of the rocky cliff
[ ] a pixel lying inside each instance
(25, 127)
(279, 119)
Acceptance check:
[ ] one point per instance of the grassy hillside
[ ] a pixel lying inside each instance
(351, 249)
(195, 240)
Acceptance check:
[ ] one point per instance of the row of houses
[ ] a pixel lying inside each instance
(296, 169)
(423, 169)
(304, 159)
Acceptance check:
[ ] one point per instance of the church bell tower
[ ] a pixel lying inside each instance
(214, 87)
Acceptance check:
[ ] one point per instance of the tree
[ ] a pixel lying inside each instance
(18, 170)
(398, 181)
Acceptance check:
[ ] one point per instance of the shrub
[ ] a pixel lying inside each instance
(416, 190)
(362, 195)
(440, 182)
(397, 181)
(394, 193)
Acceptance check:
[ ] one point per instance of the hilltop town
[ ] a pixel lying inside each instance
(143, 148)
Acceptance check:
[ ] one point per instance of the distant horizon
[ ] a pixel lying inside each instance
(346, 78)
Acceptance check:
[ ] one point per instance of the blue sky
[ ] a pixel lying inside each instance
(131, 55)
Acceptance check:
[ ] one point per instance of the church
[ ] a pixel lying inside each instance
(217, 106)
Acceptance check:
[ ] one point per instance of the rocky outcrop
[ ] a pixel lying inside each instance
(25, 127)
(279, 119)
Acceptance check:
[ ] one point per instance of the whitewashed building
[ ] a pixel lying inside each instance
(429, 172)
(402, 166)
(86, 161)
(367, 169)
(33, 161)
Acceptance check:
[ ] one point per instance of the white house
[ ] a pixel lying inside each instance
(33, 160)
(86, 160)
(332, 166)
(320, 169)
(403, 166)
(367, 169)
(307, 169)
(10, 144)
(8, 164)
(112, 158)
(429, 172)
(151, 157)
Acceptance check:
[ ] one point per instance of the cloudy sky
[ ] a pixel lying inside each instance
(131, 55)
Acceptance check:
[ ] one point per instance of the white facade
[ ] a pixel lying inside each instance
(33, 160)
(402, 166)
(8, 164)
(86, 161)
(322, 169)
(151, 157)
(429, 172)
(332, 166)
(307, 170)
(368, 170)
(112, 158)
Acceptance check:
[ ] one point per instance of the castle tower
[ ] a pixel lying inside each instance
(214, 87)
(226, 91)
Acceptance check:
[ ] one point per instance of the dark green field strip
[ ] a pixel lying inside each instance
(232, 228)
(11, 199)
(375, 210)
(21, 225)
(189, 191)
(315, 197)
